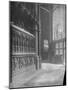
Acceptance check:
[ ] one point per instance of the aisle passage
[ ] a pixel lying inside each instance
(46, 77)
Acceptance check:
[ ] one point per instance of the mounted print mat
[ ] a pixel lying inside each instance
(37, 44)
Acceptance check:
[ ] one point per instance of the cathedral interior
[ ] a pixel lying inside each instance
(37, 44)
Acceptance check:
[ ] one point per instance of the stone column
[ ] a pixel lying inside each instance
(37, 37)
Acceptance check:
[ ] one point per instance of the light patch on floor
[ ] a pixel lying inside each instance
(49, 74)
(48, 66)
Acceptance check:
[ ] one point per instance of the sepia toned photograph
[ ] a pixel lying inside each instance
(37, 44)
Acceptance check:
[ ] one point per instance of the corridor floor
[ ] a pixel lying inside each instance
(50, 74)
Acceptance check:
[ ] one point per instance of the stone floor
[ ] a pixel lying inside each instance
(48, 75)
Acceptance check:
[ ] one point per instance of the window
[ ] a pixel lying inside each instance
(59, 48)
(59, 33)
(57, 52)
(59, 23)
(61, 52)
(61, 44)
(57, 45)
